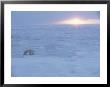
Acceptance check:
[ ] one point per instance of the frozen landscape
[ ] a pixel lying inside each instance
(58, 51)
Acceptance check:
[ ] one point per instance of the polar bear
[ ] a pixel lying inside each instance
(29, 52)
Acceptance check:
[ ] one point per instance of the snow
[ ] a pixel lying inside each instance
(59, 51)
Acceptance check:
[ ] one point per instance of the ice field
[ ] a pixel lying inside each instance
(59, 51)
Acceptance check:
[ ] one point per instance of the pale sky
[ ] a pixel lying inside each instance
(24, 18)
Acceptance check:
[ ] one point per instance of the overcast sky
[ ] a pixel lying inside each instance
(24, 18)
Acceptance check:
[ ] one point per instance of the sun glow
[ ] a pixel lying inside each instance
(75, 21)
(78, 21)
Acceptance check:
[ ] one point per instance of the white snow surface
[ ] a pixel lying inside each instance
(59, 51)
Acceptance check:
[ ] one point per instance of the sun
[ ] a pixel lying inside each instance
(78, 21)
(73, 21)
